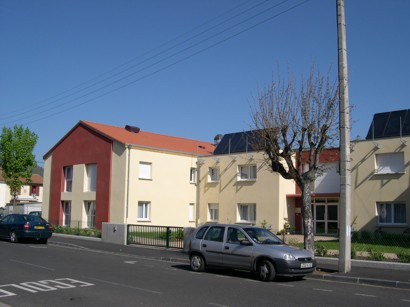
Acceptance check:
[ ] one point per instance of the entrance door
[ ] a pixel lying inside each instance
(325, 216)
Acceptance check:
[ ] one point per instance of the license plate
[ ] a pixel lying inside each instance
(38, 227)
(306, 265)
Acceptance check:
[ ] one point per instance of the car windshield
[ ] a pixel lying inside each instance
(262, 236)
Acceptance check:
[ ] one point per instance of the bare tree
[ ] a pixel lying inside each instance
(293, 124)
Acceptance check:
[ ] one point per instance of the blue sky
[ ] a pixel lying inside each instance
(187, 68)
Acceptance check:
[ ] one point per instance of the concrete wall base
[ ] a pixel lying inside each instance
(114, 233)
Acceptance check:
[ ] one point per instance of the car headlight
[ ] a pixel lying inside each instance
(289, 257)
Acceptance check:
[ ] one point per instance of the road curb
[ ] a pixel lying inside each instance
(366, 264)
(362, 280)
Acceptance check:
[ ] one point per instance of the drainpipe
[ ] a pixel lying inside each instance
(128, 181)
(199, 163)
(198, 188)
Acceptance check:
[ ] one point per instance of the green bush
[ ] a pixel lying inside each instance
(365, 236)
(293, 242)
(375, 255)
(178, 235)
(87, 232)
(355, 236)
(353, 252)
(321, 250)
(404, 257)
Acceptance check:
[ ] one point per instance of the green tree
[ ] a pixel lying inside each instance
(16, 157)
(293, 123)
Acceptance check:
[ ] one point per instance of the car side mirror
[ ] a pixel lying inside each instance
(246, 242)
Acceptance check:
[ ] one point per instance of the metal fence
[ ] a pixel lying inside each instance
(162, 236)
(78, 228)
(366, 245)
(380, 245)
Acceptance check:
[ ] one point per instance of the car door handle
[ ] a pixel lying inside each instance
(226, 247)
(203, 245)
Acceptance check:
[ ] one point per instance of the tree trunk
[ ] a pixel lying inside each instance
(308, 233)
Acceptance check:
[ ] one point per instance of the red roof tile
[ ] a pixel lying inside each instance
(35, 178)
(151, 140)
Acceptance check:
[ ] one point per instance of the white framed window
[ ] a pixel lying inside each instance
(390, 163)
(144, 208)
(145, 170)
(191, 212)
(89, 207)
(247, 172)
(90, 178)
(192, 175)
(68, 179)
(66, 206)
(213, 212)
(213, 174)
(247, 213)
(391, 213)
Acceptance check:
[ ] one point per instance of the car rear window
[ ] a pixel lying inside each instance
(34, 218)
(200, 233)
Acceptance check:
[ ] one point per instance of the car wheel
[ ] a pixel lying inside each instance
(266, 270)
(197, 263)
(43, 241)
(13, 237)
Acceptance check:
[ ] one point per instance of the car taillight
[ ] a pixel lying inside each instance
(27, 226)
(50, 228)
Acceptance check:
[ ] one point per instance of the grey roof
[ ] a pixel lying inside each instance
(235, 143)
(389, 124)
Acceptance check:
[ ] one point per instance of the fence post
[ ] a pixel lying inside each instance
(168, 237)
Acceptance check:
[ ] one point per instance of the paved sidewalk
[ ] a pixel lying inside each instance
(381, 273)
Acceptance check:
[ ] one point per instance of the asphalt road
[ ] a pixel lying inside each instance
(86, 273)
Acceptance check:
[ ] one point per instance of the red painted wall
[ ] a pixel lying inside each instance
(82, 146)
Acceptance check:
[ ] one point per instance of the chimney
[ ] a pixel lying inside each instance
(218, 138)
(133, 129)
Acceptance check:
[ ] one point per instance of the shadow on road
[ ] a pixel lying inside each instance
(238, 274)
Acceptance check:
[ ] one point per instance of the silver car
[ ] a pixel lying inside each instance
(248, 248)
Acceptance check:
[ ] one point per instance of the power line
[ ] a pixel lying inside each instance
(67, 108)
(83, 86)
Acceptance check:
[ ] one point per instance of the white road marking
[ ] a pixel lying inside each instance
(215, 304)
(43, 286)
(33, 265)
(285, 285)
(323, 290)
(222, 276)
(130, 262)
(122, 285)
(365, 295)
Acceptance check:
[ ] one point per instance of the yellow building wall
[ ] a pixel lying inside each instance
(169, 191)
(78, 197)
(268, 191)
(119, 183)
(369, 188)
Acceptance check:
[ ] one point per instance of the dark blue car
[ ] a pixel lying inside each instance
(16, 227)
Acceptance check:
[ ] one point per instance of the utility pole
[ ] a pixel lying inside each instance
(344, 126)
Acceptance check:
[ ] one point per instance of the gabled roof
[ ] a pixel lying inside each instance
(389, 124)
(36, 179)
(130, 135)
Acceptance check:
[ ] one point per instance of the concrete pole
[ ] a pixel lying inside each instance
(344, 118)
